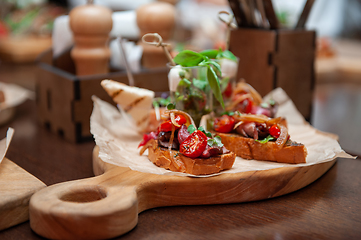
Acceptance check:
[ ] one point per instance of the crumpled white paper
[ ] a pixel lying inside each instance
(5, 143)
(14, 95)
(118, 143)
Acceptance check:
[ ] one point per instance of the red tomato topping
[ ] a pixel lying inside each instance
(147, 137)
(274, 131)
(167, 125)
(194, 145)
(228, 91)
(180, 119)
(224, 124)
(246, 105)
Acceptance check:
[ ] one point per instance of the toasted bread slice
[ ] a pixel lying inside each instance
(248, 148)
(175, 161)
(137, 102)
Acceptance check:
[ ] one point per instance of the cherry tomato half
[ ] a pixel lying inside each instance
(180, 119)
(146, 138)
(228, 91)
(245, 106)
(224, 124)
(274, 131)
(194, 145)
(167, 125)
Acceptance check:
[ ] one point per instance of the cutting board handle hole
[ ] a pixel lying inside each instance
(85, 194)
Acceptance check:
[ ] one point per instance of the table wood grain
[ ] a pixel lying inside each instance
(329, 208)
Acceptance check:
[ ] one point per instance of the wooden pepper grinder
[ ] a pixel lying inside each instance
(91, 25)
(156, 17)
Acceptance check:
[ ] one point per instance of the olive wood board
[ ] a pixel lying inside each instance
(16, 188)
(108, 205)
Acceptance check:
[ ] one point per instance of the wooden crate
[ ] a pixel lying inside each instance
(278, 58)
(64, 102)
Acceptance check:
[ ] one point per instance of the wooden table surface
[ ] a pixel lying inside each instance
(329, 208)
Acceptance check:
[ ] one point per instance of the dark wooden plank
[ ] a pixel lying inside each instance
(253, 48)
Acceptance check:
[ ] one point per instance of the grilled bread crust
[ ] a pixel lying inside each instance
(177, 162)
(248, 148)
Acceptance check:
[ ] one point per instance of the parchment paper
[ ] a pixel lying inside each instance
(118, 141)
(14, 95)
(5, 143)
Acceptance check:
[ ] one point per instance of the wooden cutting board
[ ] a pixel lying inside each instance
(16, 188)
(108, 205)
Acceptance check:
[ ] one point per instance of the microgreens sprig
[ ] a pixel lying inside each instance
(188, 58)
(212, 141)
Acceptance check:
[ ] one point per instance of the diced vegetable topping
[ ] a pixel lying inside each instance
(224, 124)
(194, 145)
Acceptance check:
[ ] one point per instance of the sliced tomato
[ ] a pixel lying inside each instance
(224, 124)
(166, 126)
(180, 119)
(146, 138)
(228, 91)
(194, 145)
(246, 105)
(274, 131)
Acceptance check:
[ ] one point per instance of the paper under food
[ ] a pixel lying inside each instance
(5, 143)
(118, 143)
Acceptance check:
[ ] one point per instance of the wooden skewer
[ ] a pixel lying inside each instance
(159, 43)
(230, 25)
(127, 68)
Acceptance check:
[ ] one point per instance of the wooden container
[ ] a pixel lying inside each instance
(64, 102)
(278, 58)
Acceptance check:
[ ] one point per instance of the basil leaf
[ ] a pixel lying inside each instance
(188, 58)
(214, 65)
(208, 134)
(214, 84)
(191, 128)
(199, 84)
(184, 82)
(201, 128)
(218, 141)
(157, 102)
(266, 140)
(170, 106)
(229, 55)
(224, 84)
(210, 53)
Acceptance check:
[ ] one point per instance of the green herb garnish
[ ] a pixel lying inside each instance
(266, 140)
(227, 54)
(216, 141)
(191, 128)
(170, 106)
(157, 102)
(188, 58)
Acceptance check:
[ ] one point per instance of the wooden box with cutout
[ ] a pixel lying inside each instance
(64, 102)
(278, 58)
